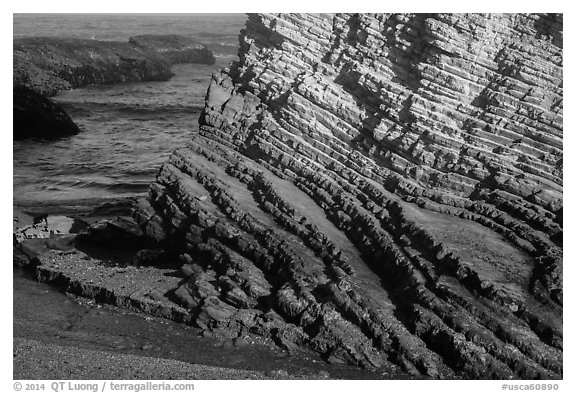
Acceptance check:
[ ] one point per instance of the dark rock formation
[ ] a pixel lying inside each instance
(45, 66)
(384, 189)
(174, 48)
(37, 116)
(48, 65)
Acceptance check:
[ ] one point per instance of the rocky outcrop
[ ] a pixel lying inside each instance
(37, 116)
(48, 65)
(385, 189)
(45, 66)
(174, 48)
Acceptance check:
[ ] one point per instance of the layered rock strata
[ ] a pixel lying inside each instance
(385, 189)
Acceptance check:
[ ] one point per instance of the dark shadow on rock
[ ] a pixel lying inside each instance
(37, 116)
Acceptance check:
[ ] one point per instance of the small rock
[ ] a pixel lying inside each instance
(278, 374)
(61, 242)
(240, 342)
(184, 298)
(213, 311)
(155, 296)
(188, 270)
(227, 344)
(335, 360)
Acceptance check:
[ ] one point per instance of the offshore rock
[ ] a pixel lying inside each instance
(34, 236)
(385, 189)
(45, 66)
(37, 116)
(48, 65)
(174, 48)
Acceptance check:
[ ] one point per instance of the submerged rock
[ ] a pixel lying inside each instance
(34, 236)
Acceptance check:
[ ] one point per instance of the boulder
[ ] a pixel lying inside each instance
(39, 117)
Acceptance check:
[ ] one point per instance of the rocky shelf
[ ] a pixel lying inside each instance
(383, 189)
(48, 65)
(98, 261)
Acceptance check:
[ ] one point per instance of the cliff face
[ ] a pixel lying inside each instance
(385, 189)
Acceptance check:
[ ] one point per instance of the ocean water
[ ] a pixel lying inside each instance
(218, 31)
(128, 130)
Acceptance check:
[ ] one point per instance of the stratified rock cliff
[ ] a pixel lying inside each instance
(385, 189)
